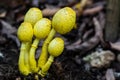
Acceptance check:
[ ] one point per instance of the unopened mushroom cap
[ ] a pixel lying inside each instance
(25, 32)
(33, 15)
(42, 28)
(64, 20)
(56, 47)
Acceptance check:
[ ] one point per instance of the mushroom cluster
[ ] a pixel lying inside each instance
(36, 26)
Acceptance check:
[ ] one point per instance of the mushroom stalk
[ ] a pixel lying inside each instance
(32, 61)
(28, 44)
(46, 67)
(44, 53)
(55, 48)
(22, 67)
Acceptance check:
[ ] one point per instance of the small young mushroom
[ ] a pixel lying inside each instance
(63, 22)
(55, 49)
(33, 15)
(25, 34)
(41, 30)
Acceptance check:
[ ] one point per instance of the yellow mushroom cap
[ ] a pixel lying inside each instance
(33, 15)
(64, 20)
(56, 47)
(42, 28)
(25, 32)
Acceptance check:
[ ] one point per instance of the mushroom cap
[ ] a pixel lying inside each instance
(42, 28)
(25, 32)
(56, 47)
(33, 15)
(64, 20)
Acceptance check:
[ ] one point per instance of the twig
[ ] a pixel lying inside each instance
(50, 12)
(115, 46)
(86, 35)
(92, 42)
(102, 19)
(81, 29)
(92, 10)
(95, 9)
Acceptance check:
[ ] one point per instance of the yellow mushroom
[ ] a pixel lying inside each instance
(63, 22)
(55, 49)
(25, 34)
(33, 15)
(41, 31)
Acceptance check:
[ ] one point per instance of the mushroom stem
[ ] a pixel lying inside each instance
(32, 61)
(21, 63)
(44, 53)
(26, 55)
(46, 67)
(55, 49)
